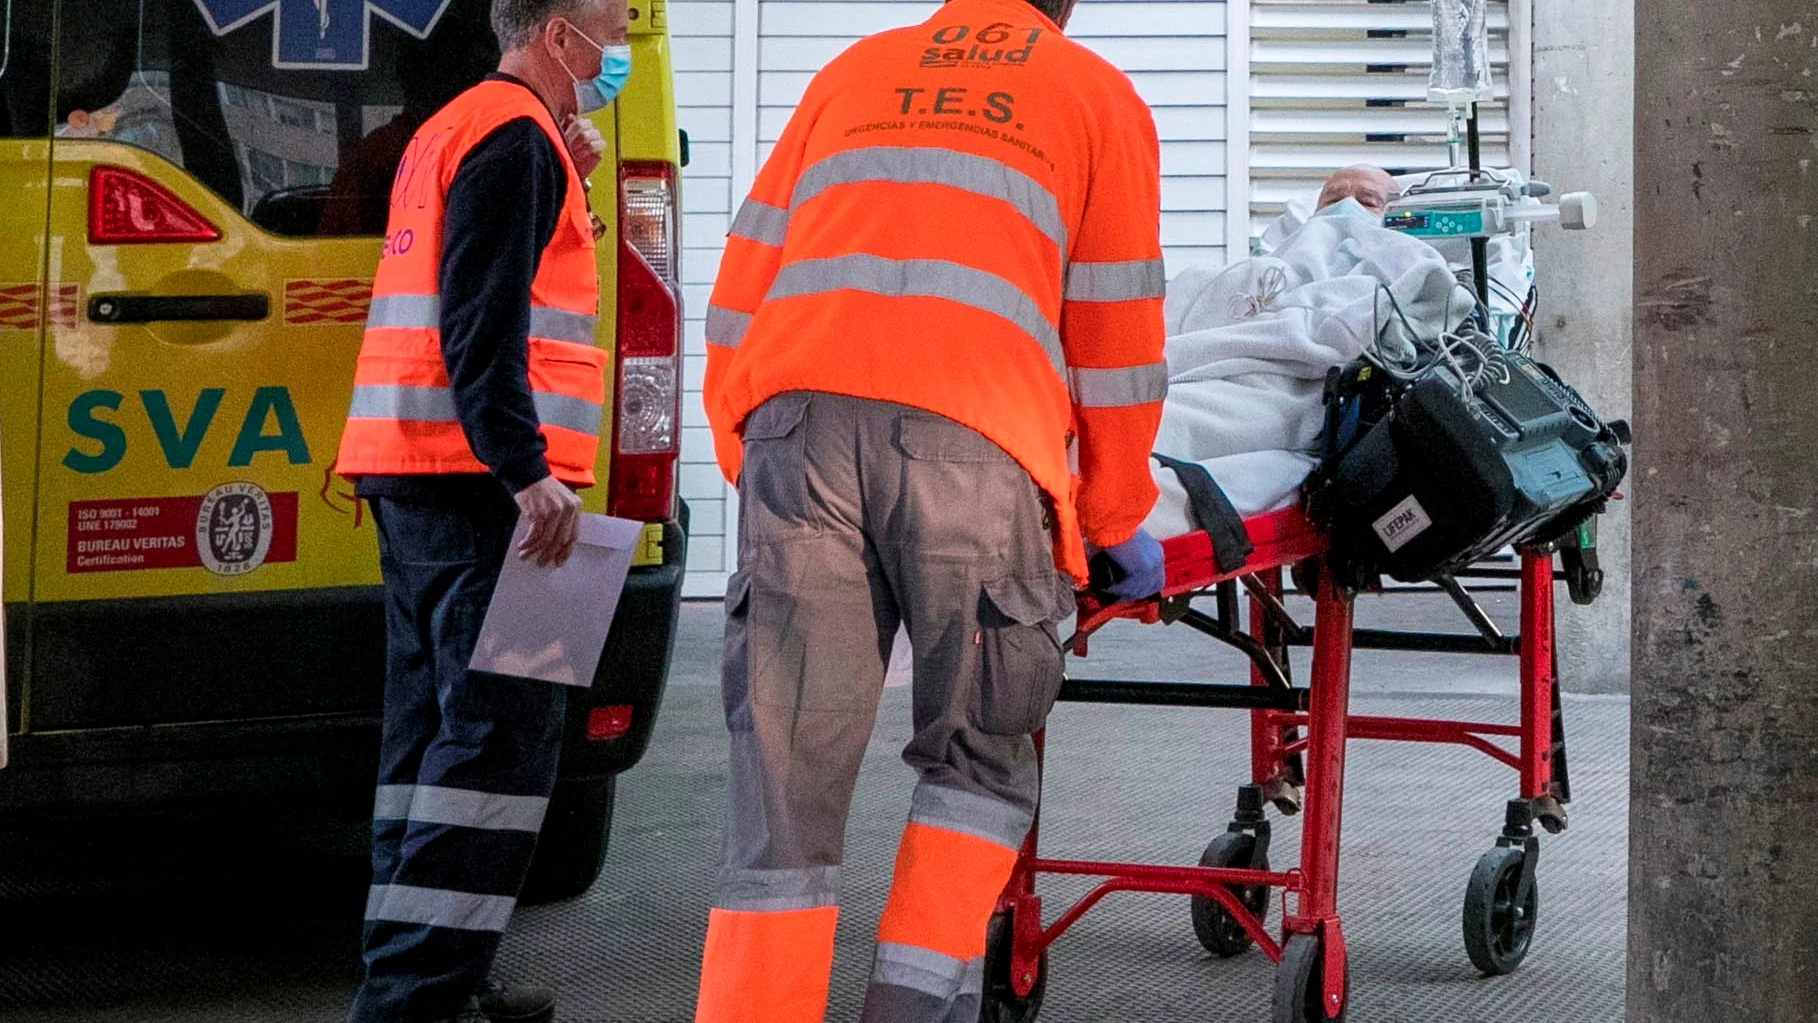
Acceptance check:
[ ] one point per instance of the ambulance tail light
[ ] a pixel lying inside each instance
(128, 208)
(612, 722)
(647, 431)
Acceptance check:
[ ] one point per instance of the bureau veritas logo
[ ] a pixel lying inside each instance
(233, 528)
(1402, 524)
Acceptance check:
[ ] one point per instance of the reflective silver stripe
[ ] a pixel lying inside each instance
(933, 166)
(398, 401)
(924, 970)
(1116, 282)
(726, 327)
(392, 803)
(436, 405)
(761, 222)
(561, 325)
(569, 413)
(487, 811)
(778, 891)
(1116, 388)
(425, 312)
(404, 311)
(970, 814)
(921, 278)
(438, 907)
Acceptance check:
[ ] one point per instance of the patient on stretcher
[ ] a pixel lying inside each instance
(1249, 345)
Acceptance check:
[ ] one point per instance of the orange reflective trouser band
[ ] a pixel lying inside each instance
(767, 965)
(770, 941)
(956, 856)
(803, 673)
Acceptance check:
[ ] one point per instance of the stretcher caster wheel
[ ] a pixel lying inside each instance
(1300, 984)
(1499, 915)
(1215, 927)
(1001, 1003)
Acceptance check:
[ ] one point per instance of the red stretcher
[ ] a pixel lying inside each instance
(1292, 725)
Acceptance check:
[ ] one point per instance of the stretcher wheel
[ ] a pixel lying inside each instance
(1001, 1003)
(1498, 920)
(1300, 983)
(1215, 927)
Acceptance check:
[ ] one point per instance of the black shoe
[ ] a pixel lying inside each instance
(470, 1013)
(516, 1003)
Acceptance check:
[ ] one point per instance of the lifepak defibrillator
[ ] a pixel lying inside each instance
(1424, 476)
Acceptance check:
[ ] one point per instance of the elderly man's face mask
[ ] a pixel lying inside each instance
(1349, 207)
(1371, 190)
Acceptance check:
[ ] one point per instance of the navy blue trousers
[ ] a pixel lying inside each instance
(466, 764)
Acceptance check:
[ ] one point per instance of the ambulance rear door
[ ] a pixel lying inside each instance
(221, 175)
(25, 305)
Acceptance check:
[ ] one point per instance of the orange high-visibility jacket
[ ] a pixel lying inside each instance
(962, 216)
(402, 417)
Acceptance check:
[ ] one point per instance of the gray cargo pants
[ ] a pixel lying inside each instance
(856, 516)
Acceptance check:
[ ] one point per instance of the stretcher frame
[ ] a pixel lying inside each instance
(1289, 723)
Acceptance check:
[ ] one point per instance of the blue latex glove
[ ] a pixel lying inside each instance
(1144, 568)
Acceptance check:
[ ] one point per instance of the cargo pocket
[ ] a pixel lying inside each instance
(774, 495)
(1019, 655)
(926, 437)
(735, 668)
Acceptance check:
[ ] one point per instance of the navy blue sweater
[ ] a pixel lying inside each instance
(501, 210)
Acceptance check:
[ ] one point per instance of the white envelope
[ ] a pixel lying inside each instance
(551, 623)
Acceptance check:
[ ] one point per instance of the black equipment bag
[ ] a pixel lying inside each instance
(1423, 478)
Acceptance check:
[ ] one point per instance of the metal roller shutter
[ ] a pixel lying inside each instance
(1338, 82)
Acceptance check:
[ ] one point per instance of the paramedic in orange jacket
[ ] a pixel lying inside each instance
(944, 289)
(476, 403)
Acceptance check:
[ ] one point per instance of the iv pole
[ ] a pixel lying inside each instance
(1459, 32)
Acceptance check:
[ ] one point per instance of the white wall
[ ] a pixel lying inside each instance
(702, 32)
(741, 66)
(1584, 105)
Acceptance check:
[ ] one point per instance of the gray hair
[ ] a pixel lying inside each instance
(516, 22)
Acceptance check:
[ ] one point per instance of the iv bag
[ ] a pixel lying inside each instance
(1461, 53)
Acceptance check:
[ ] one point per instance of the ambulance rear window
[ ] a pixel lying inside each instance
(24, 71)
(296, 113)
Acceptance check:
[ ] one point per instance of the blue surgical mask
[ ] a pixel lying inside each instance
(615, 68)
(1349, 207)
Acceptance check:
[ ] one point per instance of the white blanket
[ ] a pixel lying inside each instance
(1249, 347)
(1511, 256)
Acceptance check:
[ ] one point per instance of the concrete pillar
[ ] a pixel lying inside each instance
(1583, 140)
(1723, 854)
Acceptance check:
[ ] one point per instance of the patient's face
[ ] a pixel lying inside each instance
(1370, 186)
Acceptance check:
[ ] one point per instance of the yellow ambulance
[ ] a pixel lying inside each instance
(192, 200)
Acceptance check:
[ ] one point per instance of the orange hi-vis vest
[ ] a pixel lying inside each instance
(402, 419)
(963, 216)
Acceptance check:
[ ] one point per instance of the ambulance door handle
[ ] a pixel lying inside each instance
(169, 308)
